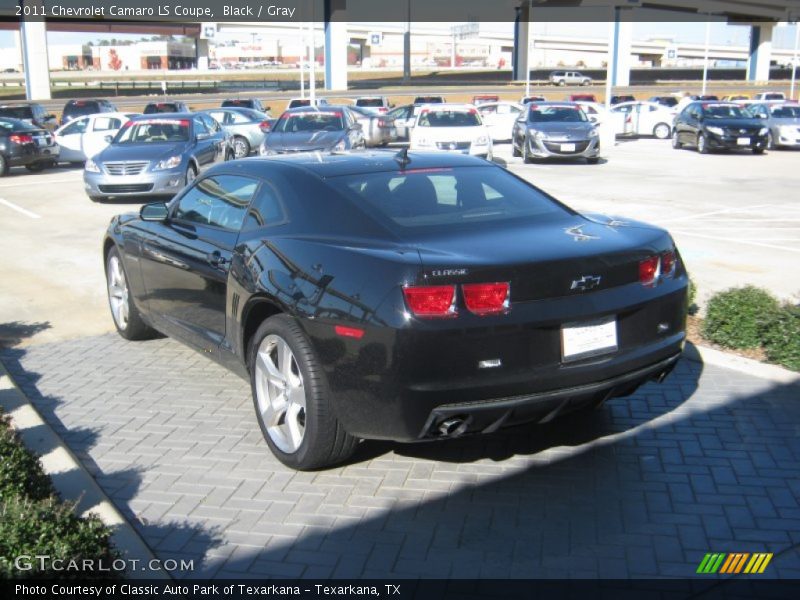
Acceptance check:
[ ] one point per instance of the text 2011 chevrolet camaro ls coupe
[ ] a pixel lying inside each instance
(397, 296)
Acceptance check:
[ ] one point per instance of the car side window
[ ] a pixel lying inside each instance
(237, 118)
(199, 126)
(76, 127)
(219, 201)
(267, 209)
(107, 124)
(210, 123)
(220, 116)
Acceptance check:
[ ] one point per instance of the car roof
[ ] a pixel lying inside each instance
(316, 109)
(349, 163)
(175, 115)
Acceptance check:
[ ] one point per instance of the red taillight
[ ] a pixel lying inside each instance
(486, 298)
(668, 263)
(381, 123)
(431, 300)
(265, 126)
(649, 270)
(21, 138)
(349, 332)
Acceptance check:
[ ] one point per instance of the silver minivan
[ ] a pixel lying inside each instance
(569, 78)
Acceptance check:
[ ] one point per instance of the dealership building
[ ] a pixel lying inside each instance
(124, 57)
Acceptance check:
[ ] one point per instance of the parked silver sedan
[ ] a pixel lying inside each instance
(555, 130)
(247, 127)
(783, 120)
(378, 129)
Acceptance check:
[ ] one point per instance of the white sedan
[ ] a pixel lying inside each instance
(84, 137)
(499, 118)
(598, 115)
(643, 118)
(451, 128)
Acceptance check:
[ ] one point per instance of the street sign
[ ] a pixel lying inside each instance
(208, 31)
(375, 38)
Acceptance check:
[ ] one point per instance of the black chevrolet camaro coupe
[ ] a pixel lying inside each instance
(397, 296)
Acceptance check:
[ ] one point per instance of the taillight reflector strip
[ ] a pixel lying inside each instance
(349, 332)
(486, 298)
(431, 301)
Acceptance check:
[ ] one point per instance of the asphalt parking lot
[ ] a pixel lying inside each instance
(734, 217)
(709, 461)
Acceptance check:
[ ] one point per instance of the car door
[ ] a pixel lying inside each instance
(185, 260)
(94, 140)
(218, 135)
(403, 118)
(70, 140)
(205, 147)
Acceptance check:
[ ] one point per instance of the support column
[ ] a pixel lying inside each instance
(34, 57)
(335, 45)
(621, 58)
(760, 52)
(521, 50)
(201, 53)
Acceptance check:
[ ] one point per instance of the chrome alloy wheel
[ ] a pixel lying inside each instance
(240, 148)
(118, 296)
(280, 393)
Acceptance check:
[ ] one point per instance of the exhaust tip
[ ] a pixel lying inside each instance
(453, 427)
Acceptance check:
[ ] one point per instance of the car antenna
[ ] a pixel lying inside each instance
(402, 157)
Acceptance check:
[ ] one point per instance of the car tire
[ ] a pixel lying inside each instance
(771, 141)
(3, 166)
(586, 82)
(526, 157)
(127, 318)
(562, 83)
(241, 147)
(702, 144)
(301, 431)
(758, 150)
(35, 167)
(96, 198)
(191, 174)
(661, 131)
(515, 151)
(76, 163)
(593, 160)
(676, 141)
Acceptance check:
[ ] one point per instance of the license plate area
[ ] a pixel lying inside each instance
(568, 147)
(585, 339)
(743, 141)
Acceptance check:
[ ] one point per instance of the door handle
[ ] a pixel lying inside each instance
(215, 259)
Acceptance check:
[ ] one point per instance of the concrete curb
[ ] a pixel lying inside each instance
(748, 366)
(71, 479)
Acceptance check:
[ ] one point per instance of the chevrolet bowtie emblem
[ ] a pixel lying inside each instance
(586, 283)
(579, 236)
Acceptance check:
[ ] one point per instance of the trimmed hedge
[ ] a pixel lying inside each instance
(782, 337)
(34, 521)
(737, 318)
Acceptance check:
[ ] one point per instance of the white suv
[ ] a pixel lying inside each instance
(451, 128)
(569, 78)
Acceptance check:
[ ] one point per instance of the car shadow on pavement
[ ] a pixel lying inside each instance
(172, 532)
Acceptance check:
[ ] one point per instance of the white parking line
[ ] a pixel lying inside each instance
(715, 212)
(46, 181)
(19, 209)
(735, 240)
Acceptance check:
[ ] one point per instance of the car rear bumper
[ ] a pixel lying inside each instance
(28, 154)
(102, 185)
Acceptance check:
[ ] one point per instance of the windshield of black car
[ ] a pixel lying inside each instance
(10, 125)
(785, 112)
(80, 109)
(448, 118)
(309, 121)
(556, 114)
(427, 198)
(723, 111)
(152, 131)
(370, 102)
(16, 112)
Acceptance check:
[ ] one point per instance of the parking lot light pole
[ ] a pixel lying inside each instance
(794, 58)
(705, 56)
(312, 54)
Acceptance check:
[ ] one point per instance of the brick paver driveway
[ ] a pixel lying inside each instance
(646, 486)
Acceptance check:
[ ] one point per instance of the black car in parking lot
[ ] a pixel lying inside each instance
(89, 106)
(31, 112)
(24, 145)
(397, 296)
(709, 126)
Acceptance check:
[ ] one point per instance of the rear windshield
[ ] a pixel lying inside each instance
(370, 102)
(16, 112)
(298, 103)
(10, 125)
(161, 107)
(246, 103)
(449, 118)
(310, 121)
(723, 111)
(773, 96)
(556, 114)
(151, 131)
(427, 198)
(80, 108)
(428, 100)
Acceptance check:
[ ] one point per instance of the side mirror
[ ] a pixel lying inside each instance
(267, 108)
(594, 119)
(50, 117)
(108, 138)
(155, 211)
(392, 105)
